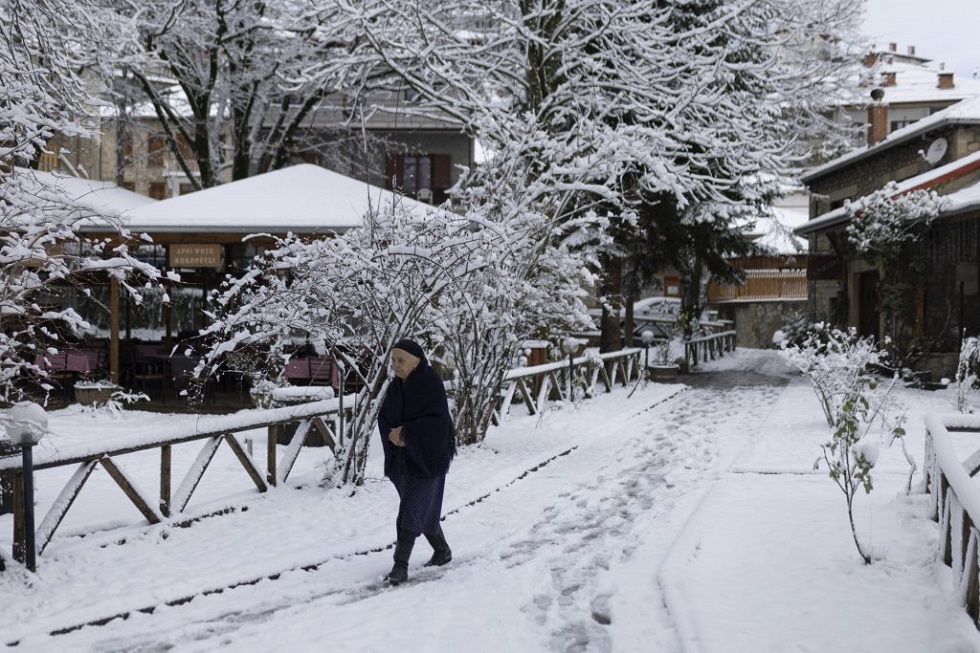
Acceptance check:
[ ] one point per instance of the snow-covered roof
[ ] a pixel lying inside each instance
(918, 84)
(965, 112)
(101, 197)
(962, 200)
(300, 199)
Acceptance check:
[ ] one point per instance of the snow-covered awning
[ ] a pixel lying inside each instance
(100, 198)
(301, 199)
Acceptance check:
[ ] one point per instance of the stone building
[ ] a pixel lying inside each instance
(940, 153)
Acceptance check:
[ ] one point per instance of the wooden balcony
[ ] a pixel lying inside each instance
(762, 285)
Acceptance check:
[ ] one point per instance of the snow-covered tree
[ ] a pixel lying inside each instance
(232, 83)
(43, 46)
(839, 366)
(454, 283)
(600, 110)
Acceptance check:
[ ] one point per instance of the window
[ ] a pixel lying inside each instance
(156, 146)
(898, 124)
(241, 256)
(410, 173)
(152, 254)
(416, 173)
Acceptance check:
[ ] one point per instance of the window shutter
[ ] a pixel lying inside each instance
(442, 171)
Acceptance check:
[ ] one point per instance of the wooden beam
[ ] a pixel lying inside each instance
(165, 479)
(246, 462)
(130, 490)
(61, 505)
(114, 330)
(194, 474)
(270, 469)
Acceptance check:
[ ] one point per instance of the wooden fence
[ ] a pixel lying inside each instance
(322, 416)
(538, 385)
(955, 503)
(535, 385)
(708, 347)
(762, 285)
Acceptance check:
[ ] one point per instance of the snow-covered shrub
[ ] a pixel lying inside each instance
(794, 330)
(470, 290)
(839, 365)
(967, 371)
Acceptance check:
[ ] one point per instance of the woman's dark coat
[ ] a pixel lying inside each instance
(419, 405)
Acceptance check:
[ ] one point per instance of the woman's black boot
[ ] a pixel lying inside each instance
(441, 553)
(403, 551)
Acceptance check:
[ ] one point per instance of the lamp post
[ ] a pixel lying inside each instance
(26, 424)
(570, 346)
(647, 338)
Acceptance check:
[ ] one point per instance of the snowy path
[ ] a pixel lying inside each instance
(562, 556)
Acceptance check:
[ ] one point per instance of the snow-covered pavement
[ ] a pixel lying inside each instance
(683, 518)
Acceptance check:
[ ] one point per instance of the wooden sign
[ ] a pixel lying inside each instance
(195, 256)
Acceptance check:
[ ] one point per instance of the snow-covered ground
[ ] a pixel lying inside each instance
(684, 518)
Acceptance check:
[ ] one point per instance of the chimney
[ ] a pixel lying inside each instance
(911, 50)
(893, 47)
(889, 78)
(870, 60)
(945, 80)
(877, 118)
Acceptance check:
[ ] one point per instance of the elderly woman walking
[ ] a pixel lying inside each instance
(419, 443)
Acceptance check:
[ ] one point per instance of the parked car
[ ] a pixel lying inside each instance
(656, 308)
(657, 314)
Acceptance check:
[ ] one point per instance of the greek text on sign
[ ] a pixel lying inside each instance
(195, 256)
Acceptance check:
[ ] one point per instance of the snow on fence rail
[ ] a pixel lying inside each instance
(536, 385)
(324, 417)
(708, 346)
(539, 384)
(955, 504)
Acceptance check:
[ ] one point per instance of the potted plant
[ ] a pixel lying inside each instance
(94, 391)
(664, 367)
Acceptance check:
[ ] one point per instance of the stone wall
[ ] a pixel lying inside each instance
(755, 322)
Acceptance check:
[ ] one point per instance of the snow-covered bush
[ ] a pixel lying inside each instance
(471, 290)
(967, 371)
(883, 221)
(839, 366)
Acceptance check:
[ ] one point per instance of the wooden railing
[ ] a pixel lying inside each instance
(322, 416)
(955, 503)
(762, 285)
(710, 346)
(538, 385)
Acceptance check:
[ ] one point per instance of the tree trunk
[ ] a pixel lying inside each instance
(611, 335)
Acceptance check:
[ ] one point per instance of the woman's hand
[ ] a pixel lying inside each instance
(396, 438)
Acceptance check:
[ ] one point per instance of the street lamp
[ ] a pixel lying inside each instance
(647, 338)
(26, 424)
(570, 345)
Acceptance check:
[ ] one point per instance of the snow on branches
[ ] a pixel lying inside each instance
(43, 45)
(882, 221)
(469, 288)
